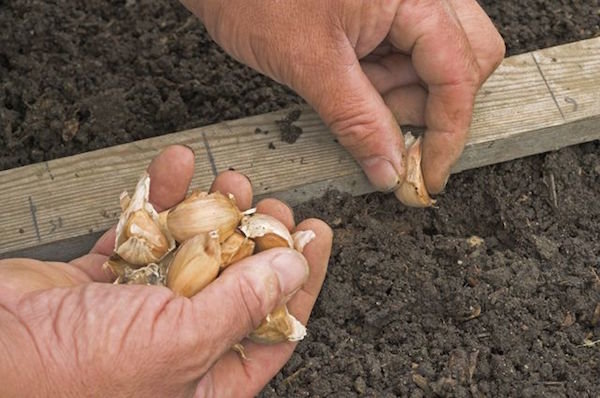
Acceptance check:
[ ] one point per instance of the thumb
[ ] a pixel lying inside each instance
(237, 301)
(355, 112)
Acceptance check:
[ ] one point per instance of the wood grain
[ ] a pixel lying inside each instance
(534, 102)
(573, 76)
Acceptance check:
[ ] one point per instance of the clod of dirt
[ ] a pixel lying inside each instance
(289, 131)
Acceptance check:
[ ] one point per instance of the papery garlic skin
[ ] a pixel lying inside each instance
(302, 238)
(266, 231)
(139, 238)
(277, 327)
(195, 264)
(412, 192)
(202, 213)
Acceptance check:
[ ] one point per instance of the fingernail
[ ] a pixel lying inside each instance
(382, 174)
(291, 269)
(190, 148)
(247, 178)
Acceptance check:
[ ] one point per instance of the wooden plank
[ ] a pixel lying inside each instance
(518, 113)
(573, 77)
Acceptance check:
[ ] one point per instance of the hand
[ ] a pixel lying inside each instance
(421, 63)
(65, 332)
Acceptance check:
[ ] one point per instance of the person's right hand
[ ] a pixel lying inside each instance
(367, 65)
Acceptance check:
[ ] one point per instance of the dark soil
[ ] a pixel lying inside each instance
(290, 132)
(493, 293)
(82, 75)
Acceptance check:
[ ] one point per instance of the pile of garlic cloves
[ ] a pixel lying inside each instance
(186, 247)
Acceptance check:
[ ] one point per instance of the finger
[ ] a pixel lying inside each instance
(355, 112)
(317, 254)
(93, 265)
(233, 376)
(442, 57)
(407, 104)
(231, 182)
(277, 209)
(228, 309)
(391, 71)
(25, 275)
(485, 40)
(170, 173)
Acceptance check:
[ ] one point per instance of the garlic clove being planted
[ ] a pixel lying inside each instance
(202, 213)
(266, 231)
(236, 248)
(139, 238)
(277, 327)
(195, 264)
(413, 192)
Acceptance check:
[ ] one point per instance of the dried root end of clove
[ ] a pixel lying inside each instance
(277, 327)
(413, 192)
(151, 274)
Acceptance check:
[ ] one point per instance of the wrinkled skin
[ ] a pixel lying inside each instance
(366, 66)
(66, 332)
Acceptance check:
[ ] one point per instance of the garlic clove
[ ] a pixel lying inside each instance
(202, 213)
(302, 238)
(162, 223)
(142, 241)
(117, 266)
(412, 192)
(195, 264)
(277, 327)
(266, 231)
(139, 238)
(236, 248)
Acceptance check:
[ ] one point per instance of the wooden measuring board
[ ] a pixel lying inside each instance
(534, 102)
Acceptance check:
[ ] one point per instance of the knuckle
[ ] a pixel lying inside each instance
(354, 128)
(493, 55)
(498, 49)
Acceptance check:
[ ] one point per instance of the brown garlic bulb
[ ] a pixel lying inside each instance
(413, 192)
(277, 327)
(195, 264)
(202, 213)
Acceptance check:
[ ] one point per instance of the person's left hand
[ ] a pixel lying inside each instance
(66, 331)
